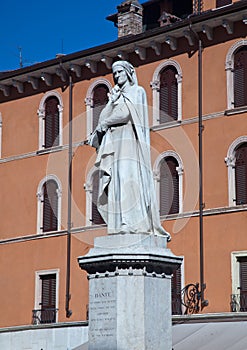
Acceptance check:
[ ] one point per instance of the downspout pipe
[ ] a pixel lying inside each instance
(204, 302)
(69, 223)
(201, 202)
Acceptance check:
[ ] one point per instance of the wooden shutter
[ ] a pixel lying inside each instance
(169, 186)
(50, 206)
(240, 77)
(176, 292)
(241, 174)
(100, 99)
(48, 298)
(168, 95)
(220, 3)
(96, 217)
(51, 122)
(243, 283)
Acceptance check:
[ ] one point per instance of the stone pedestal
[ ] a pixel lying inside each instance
(130, 292)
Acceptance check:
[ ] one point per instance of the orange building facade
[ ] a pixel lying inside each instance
(39, 247)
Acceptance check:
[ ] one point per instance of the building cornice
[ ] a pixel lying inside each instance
(85, 64)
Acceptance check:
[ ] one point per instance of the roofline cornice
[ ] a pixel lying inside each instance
(204, 22)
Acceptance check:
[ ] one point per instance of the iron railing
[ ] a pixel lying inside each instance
(44, 316)
(238, 302)
(188, 301)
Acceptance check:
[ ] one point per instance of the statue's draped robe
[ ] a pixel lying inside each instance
(126, 198)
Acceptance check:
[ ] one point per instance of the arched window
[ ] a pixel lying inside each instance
(50, 120)
(236, 162)
(49, 205)
(100, 99)
(169, 186)
(93, 216)
(96, 217)
(95, 100)
(236, 74)
(241, 174)
(168, 176)
(167, 92)
(240, 77)
(168, 95)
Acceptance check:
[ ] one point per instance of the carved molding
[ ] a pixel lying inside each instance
(141, 52)
(156, 46)
(107, 61)
(62, 74)
(115, 264)
(77, 69)
(189, 36)
(208, 31)
(172, 42)
(47, 78)
(19, 85)
(92, 65)
(228, 25)
(5, 89)
(123, 55)
(34, 82)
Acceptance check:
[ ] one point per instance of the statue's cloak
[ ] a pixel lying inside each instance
(127, 200)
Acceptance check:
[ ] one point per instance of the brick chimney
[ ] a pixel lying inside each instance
(130, 14)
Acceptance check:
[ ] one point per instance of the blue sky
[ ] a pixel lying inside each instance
(44, 28)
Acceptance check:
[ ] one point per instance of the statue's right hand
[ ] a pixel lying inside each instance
(114, 94)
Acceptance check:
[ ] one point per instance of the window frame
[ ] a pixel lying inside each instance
(88, 186)
(89, 102)
(38, 288)
(41, 116)
(235, 256)
(155, 85)
(229, 68)
(180, 171)
(230, 161)
(40, 198)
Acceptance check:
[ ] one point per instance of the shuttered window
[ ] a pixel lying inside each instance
(48, 298)
(51, 122)
(243, 283)
(169, 186)
(50, 206)
(168, 95)
(96, 217)
(240, 77)
(176, 292)
(241, 174)
(99, 101)
(220, 3)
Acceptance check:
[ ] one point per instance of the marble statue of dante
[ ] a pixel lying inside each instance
(126, 198)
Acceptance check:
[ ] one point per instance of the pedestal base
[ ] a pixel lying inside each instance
(130, 292)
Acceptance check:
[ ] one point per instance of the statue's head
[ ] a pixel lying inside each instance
(128, 68)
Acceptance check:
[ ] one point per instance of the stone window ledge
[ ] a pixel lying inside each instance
(236, 110)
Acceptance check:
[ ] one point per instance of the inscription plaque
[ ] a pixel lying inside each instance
(102, 313)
